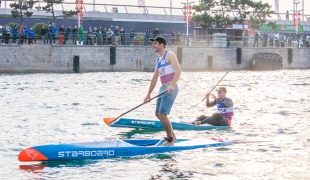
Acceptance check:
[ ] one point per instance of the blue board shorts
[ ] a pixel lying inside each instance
(165, 101)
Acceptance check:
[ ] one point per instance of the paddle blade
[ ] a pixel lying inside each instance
(109, 120)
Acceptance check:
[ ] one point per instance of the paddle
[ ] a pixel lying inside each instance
(212, 88)
(110, 120)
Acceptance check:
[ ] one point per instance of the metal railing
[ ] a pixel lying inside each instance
(143, 40)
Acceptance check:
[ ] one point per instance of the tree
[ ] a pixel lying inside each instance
(204, 18)
(259, 14)
(243, 7)
(38, 26)
(273, 25)
(20, 9)
(69, 14)
(222, 14)
(208, 15)
(49, 7)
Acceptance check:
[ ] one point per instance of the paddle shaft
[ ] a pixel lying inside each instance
(216, 85)
(138, 106)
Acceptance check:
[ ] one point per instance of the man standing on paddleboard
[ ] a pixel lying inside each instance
(169, 71)
(225, 110)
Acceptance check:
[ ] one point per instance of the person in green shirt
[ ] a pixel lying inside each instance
(81, 35)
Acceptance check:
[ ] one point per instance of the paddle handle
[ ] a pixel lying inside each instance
(214, 86)
(137, 106)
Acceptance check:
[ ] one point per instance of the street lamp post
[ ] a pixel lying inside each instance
(296, 15)
(187, 3)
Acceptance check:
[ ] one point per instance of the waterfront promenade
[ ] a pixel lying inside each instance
(60, 59)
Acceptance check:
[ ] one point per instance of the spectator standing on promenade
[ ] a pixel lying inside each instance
(178, 39)
(155, 32)
(21, 34)
(304, 39)
(81, 35)
(54, 30)
(122, 34)
(7, 33)
(31, 36)
(265, 36)
(3, 33)
(88, 36)
(49, 34)
(116, 33)
(25, 34)
(256, 36)
(147, 37)
(173, 37)
(61, 31)
(289, 40)
(43, 34)
(287, 15)
(110, 34)
(277, 39)
(298, 39)
(271, 37)
(74, 34)
(99, 36)
(95, 32)
(68, 31)
(15, 33)
(104, 36)
(244, 38)
(132, 35)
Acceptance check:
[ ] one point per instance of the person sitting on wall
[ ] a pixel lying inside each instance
(225, 110)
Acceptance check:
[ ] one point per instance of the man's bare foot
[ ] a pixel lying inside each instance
(174, 139)
(168, 143)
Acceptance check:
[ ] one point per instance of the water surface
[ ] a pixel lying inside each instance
(270, 127)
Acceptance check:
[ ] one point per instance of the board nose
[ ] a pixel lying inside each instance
(31, 154)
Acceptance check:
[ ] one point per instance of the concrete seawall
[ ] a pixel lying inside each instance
(59, 59)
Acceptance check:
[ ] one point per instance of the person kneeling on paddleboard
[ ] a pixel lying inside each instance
(225, 110)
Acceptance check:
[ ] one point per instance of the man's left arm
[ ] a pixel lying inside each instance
(172, 59)
(229, 102)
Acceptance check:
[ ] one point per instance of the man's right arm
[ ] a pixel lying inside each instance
(208, 103)
(152, 85)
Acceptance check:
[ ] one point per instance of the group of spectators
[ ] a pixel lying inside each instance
(92, 36)
(20, 33)
(274, 39)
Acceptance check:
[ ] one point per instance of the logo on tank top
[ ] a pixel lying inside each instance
(163, 62)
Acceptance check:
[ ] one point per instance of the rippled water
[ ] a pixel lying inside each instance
(270, 127)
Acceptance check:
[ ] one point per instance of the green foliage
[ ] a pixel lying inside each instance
(204, 5)
(13, 24)
(213, 11)
(218, 12)
(20, 9)
(69, 14)
(139, 37)
(205, 20)
(244, 9)
(37, 27)
(273, 25)
(259, 14)
(49, 7)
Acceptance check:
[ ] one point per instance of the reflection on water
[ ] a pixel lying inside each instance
(55, 164)
(136, 133)
(270, 127)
